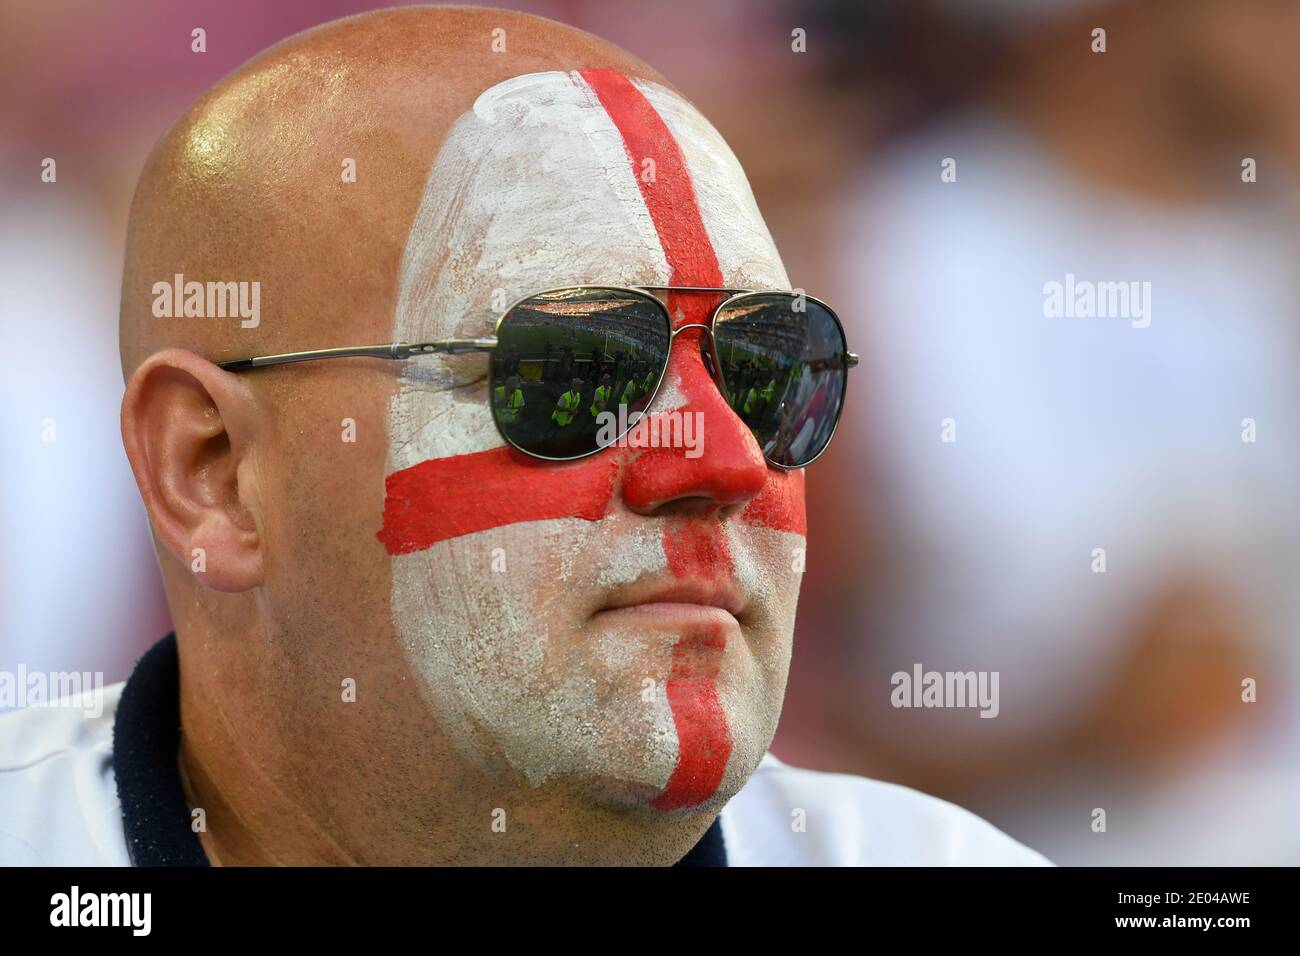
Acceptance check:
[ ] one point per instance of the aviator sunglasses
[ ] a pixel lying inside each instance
(567, 364)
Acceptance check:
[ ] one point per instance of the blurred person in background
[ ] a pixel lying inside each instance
(79, 588)
(78, 580)
(1000, 446)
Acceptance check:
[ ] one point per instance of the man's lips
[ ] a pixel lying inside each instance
(686, 600)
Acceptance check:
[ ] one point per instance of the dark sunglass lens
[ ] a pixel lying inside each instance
(567, 360)
(783, 363)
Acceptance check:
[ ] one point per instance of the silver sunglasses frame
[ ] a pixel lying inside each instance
(402, 351)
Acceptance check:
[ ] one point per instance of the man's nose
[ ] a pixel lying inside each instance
(727, 470)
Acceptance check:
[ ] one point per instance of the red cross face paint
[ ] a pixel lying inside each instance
(569, 621)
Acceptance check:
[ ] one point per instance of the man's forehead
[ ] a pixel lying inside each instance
(582, 176)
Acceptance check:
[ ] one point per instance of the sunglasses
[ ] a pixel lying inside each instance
(573, 370)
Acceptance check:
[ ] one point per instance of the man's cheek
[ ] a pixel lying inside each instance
(780, 504)
(769, 548)
(444, 498)
(474, 617)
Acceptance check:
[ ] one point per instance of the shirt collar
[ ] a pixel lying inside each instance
(146, 746)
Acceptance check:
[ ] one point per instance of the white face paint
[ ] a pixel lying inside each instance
(533, 189)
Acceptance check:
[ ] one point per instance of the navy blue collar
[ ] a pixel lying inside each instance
(146, 748)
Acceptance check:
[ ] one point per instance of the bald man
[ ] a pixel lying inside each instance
(397, 640)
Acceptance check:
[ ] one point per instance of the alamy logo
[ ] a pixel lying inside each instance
(24, 688)
(208, 300)
(661, 430)
(103, 909)
(1084, 299)
(922, 688)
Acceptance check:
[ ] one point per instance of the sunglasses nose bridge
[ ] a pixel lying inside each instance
(706, 354)
(693, 325)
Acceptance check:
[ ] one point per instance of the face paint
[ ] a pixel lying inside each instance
(427, 503)
(501, 563)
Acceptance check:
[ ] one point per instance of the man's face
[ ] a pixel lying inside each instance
(511, 577)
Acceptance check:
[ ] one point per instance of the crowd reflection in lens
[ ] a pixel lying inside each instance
(567, 358)
(782, 361)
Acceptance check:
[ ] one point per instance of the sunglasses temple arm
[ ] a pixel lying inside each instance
(396, 351)
(448, 346)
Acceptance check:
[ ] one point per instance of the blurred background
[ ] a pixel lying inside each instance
(1119, 690)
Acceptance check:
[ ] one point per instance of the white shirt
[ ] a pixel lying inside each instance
(59, 807)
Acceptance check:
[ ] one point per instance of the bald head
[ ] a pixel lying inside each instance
(254, 184)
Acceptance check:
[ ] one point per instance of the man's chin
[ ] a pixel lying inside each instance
(636, 797)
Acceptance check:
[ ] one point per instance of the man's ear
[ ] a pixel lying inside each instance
(188, 428)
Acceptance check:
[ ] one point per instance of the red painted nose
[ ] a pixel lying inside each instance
(725, 470)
